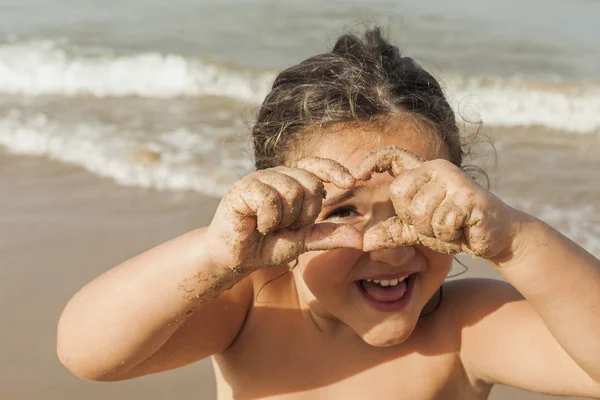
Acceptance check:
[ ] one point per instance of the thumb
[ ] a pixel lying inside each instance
(389, 234)
(327, 236)
(393, 233)
(285, 245)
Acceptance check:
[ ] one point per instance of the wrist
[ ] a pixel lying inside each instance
(208, 278)
(204, 257)
(517, 243)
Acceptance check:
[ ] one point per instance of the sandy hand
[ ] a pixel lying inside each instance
(437, 206)
(267, 218)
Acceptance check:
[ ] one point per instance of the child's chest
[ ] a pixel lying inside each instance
(287, 362)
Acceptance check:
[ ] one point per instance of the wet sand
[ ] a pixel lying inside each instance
(59, 228)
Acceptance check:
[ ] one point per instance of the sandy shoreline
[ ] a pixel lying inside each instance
(60, 227)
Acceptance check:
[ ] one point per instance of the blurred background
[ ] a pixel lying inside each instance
(121, 124)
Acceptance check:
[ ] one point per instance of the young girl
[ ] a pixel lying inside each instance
(322, 274)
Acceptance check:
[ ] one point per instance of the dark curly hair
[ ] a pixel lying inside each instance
(359, 81)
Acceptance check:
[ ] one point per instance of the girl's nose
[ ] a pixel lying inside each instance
(395, 257)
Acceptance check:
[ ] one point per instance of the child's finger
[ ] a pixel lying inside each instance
(404, 189)
(291, 195)
(286, 245)
(252, 198)
(441, 246)
(312, 201)
(450, 217)
(423, 205)
(329, 171)
(390, 234)
(393, 159)
(393, 233)
(327, 236)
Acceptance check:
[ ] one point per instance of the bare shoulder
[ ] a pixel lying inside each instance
(479, 294)
(465, 302)
(478, 302)
(504, 340)
(472, 312)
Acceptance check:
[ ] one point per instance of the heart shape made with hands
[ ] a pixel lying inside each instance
(267, 218)
(433, 200)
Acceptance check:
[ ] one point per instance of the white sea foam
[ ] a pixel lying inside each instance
(45, 67)
(178, 160)
(573, 107)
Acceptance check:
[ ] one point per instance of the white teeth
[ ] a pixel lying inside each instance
(386, 282)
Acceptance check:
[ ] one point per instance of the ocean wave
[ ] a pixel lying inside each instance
(47, 67)
(572, 107)
(174, 160)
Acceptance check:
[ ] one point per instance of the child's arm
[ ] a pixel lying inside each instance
(117, 322)
(169, 306)
(549, 343)
(561, 281)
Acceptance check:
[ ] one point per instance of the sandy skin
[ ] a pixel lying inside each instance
(267, 218)
(437, 206)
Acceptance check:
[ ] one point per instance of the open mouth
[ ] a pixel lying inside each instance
(387, 294)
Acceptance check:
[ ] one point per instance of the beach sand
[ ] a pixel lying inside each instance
(59, 228)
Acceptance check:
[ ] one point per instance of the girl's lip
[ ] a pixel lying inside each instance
(393, 306)
(389, 277)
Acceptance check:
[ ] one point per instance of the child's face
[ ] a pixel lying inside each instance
(334, 283)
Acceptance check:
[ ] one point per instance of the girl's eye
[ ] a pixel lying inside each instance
(342, 212)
